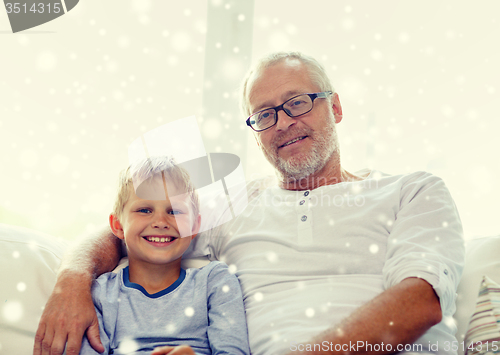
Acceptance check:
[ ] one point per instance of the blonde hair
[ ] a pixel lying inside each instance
(317, 74)
(149, 169)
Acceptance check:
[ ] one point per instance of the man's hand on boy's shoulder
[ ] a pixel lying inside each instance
(68, 314)
(173, 350)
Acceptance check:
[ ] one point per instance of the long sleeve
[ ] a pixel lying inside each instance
(227, 330)
(86, 348)
(426, 240)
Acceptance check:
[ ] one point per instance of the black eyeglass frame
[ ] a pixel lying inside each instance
(313, 96)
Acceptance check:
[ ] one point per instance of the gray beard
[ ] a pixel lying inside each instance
(300, 167)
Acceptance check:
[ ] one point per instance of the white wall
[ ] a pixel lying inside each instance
(418, 81)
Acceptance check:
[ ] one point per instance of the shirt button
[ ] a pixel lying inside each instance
(303, 218)
(302, 202)
(306, 193)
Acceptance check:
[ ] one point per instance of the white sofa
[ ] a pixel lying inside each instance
(29, 261)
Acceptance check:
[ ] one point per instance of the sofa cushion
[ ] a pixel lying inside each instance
(29, 261)
(483, 334)
(482, 258)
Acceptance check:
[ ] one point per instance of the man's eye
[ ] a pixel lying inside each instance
(297, 103)
(265, 117)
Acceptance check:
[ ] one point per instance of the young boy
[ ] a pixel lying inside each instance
(154, 302)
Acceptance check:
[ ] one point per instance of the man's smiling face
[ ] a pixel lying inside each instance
(301, 146)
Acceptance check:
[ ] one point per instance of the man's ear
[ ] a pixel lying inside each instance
(116, 226)
(337, 108)
(196, 226)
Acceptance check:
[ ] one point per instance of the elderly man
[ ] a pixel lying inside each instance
(328, 261)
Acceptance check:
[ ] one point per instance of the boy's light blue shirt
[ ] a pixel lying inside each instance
(202, 309)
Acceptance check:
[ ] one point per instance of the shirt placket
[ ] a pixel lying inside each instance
(304, 218)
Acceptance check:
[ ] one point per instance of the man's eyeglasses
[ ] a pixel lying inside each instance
(296, 106)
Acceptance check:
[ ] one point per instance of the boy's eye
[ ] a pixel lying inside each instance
(144, 210)
(175, 212)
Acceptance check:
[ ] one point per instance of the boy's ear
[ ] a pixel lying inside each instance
(196, 226)
(116, 226)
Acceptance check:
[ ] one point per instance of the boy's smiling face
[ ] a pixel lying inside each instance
(156, 230)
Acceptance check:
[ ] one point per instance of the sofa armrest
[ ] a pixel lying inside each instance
(28, 262)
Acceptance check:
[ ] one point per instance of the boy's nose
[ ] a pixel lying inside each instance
(161, 222)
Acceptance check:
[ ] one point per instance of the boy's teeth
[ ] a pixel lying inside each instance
(159, 240)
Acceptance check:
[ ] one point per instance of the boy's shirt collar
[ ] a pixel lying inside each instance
(127, 283)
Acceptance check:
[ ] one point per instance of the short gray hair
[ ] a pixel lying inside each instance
(316, 71)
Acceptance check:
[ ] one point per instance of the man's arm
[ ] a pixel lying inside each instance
(69, 312)
(398, 316)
